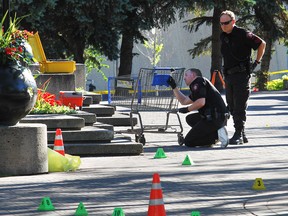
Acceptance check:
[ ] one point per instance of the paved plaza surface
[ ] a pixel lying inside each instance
(218, 183)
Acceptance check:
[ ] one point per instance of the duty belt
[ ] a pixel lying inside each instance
(217, 115)
(236, 69)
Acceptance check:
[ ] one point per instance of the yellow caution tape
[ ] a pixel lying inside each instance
(278, 72)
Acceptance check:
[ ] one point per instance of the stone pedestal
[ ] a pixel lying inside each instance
(80, 76)
(23, 149)
(56, 82)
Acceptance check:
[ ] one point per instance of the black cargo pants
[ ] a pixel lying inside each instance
(237, 94)
(203, 132)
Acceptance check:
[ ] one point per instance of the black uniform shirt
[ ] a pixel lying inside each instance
(236, 46)
(203, 88)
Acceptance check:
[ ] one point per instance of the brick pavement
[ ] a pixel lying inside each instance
(219, 183)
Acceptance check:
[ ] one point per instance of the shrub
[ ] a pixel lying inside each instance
(275, 85)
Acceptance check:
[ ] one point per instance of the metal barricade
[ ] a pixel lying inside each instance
(149, 92)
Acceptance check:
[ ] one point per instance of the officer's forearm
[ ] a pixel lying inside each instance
(180, 96)
(260, 51)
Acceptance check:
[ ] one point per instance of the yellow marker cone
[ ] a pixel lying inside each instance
(46, 205)
(195, 213)
(187, 161)
(258, 184)
(160, 154)
(81, 210)
(118, 212)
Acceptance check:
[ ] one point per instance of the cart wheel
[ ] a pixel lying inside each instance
(180, 139)
(136, 138)
(142, 140)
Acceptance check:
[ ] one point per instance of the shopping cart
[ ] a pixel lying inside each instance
(149, 92)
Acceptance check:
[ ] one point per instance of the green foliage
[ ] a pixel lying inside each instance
(203, 47)
(68, 27)
(268, 19)
(46, 103)
(13, 42)
(46, 108)
(275, 85)
(72, 25)
(193, 25)
(156, 49)
(94, 60)
(285, 77)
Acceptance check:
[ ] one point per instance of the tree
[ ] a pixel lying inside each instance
(153, 45)
(211, 43)
(72, 25)
(145, 15)
(271, 22)
(264, 15)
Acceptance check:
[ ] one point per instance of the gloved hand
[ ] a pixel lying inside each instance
(183, 110)
(254, 65)
(171, 82)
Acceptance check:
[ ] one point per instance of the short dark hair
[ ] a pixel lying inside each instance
(196, 71)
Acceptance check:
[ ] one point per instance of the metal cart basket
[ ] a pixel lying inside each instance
(149, 92)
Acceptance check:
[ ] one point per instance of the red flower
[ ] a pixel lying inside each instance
(8, 51)
(20, 49)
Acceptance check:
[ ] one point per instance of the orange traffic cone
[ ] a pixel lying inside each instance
(58, 142)
(156, 203)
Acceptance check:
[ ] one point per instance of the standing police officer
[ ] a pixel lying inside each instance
(236, 47)
(208, 124)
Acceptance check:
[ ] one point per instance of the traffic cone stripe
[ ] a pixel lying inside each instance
(58, 137)
(58, 148)
(58, 142)
(156, 186)
(155, 202)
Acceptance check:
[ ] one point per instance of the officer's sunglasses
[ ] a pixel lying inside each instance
(226, 23)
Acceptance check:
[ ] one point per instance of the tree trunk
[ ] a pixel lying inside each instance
(78, 51)
(126, 54)
(267, 34)
(262, 75)
(216, 57)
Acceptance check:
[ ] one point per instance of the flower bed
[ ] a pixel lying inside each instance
(47, 103)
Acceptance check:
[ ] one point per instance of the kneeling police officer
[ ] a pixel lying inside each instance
(208, 124)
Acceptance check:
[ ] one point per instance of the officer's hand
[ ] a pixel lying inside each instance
(254, 65)
(183, 110)
(171, 82)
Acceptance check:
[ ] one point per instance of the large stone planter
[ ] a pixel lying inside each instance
(18, 93)
(23, 149)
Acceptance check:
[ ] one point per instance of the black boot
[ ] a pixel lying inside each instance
(245, 140)
(236, 139)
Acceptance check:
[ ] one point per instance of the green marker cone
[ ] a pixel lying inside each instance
(81, 210)
(187, 161)
(160, 154)
(118, 212)
(195, 213)
(46, 205)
